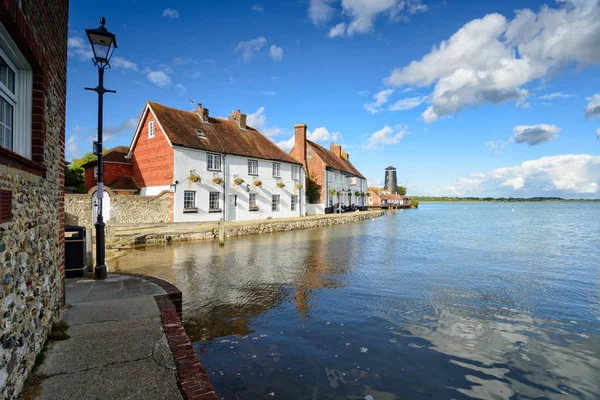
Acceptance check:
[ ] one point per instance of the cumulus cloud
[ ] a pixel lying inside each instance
(387, 135)
(249, 48)
(160, 79)
(535, 134)
(287, 145)
(276, 53)
(258, 8)
(489, 60)
(569, 174)
(593, 107)
(557, 95)
(120, 62)
(320, 11)
(322, 135)
(80, 48)
(258, 121)
(170, 13)
(380, 99)
(408, 103)
(337, 30)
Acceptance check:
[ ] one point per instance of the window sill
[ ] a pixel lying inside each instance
(213, 170)
(190, 210)
(215, 211)
(17, 161)
(253, 209)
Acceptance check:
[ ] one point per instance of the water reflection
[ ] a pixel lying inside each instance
(436, 304)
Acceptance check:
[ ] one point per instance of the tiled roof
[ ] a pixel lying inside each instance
(116, 155)
(333, 161)
(220, 135)
(125, 182)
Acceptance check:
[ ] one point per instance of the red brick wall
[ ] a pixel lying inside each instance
(316, 166)
(152, 158)
(112, 172)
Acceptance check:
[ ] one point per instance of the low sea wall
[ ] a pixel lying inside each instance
(127, 235)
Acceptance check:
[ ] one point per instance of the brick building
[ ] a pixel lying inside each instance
(118, 172)
(336, 179)
(384, 198)
(33, 67)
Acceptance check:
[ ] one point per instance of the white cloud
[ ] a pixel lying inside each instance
(489, 60)
(380, 99)
(181, 89)
(287, 145)
(557, 95)
(569, 174)
(258, 8)
(170, 13)
(160, 79)
(523, 103)
(72, 148)
(496, 145)
(276, 53)
(593, 107)
(598, 134)
(337, 30)
(77, 47)
(535, 134)
(120, 62)
(322, 135)
(250, 47)
(408, 103)
(363, 13)
(320, 12)
(363, 93)
(258, 121)
(387, 135)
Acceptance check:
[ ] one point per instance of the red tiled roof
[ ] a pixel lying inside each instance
(115, 155)
(125, 182)
(333, 161)
(220, 135)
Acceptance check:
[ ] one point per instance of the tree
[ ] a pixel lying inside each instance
(74, 178)
(402, 190)
(78, 162)
(313, 189)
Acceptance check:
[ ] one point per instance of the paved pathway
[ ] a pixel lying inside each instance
(117, 348)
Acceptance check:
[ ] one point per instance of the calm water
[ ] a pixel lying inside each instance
(450, 301)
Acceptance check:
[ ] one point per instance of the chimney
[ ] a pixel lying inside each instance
(299, 152)
(239, 118)
(345, 155)
(202, 112)
(336, 149)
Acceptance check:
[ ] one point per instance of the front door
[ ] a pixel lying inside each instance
(232, 208)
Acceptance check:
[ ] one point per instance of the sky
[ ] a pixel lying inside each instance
(464, 98)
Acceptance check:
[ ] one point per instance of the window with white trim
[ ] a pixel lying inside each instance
(294, 202)
(16, 91)
(295, 172)
(252, 167)
(189, 201)
(276, 170)
(213, 201)
(252, 205)
(151, 129)
(213, 162)
(275, 202)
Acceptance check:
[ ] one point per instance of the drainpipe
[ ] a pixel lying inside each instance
(224, 188)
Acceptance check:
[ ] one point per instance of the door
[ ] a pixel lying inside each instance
(232, 208)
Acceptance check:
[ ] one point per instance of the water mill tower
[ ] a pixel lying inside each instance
(391, 182)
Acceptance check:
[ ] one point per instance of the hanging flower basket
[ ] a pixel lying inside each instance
(357, 193)
(340, 193)
(257, 183)
(332, 192)
(217, 180)
(194, 177)
(365, 194)
(280, 185)
(298, 186)
(238, 181)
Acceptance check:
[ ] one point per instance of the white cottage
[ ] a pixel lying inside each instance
(217, 168)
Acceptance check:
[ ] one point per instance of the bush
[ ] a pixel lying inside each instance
(415, 203)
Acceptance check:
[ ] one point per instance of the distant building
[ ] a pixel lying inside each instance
(117, 173)
(382, 198)
(391, 181)
(337, 180)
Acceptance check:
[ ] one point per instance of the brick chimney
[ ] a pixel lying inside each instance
(345, 155)
(336, 149)
(239, 117)
(300, 146)
(202, 112)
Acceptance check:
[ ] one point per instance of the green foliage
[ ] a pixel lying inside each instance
(402, 190)
(313, 190)
(357, 193)
(78, 162)
(332, 192)
(415, 203)
(74, 178)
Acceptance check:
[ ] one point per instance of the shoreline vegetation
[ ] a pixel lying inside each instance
(501, 199)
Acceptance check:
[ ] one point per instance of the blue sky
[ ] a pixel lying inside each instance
(463, 97)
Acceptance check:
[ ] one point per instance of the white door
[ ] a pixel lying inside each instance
(232, 208)
(105, 207)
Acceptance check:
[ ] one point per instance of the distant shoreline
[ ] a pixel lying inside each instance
(424, 199)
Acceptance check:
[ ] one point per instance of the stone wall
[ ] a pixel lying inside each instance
(124, 209)
(32, 239)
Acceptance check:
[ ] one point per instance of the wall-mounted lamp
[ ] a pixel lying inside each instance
(173, 187)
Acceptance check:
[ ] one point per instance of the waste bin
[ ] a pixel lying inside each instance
(75, 260)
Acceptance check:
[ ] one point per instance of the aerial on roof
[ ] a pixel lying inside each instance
(219, 135)
(333, 161)
(117, 154)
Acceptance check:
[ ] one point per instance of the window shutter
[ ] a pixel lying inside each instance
(5, 206)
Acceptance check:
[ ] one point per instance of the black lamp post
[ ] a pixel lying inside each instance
(104, 44)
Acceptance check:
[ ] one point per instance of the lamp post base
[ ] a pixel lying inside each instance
(100, 272)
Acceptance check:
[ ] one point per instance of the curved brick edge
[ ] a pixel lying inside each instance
(191, 377)
(171, 290)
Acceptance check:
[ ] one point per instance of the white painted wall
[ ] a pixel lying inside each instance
(153, 190)
(187, 160)
(343, 183)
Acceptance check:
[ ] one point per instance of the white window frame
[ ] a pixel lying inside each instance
(295, 173)
(252, 204)
(211, 201)
(276, 170)
(210, 162)
(275, 203)
(192, 208)
(151, 129)
(294, 202)
(253, 171)
(22, 98)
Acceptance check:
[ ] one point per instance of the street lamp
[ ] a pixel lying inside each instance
(103, 44)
